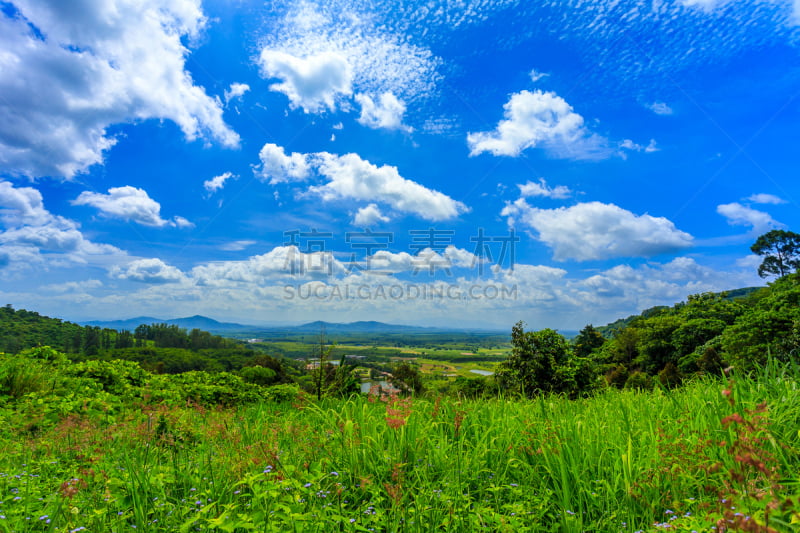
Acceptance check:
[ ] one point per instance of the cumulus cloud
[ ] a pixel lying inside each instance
(660, 108)
(369, 215)
(539, 120)
(282, 263)
(541, 189)
(148, 271)
(218, 182)
(70, 72)
(595, 230)
(387, 113)
(763, 198)
(740, 215)
(31, 235)
(130, 204)
(314, 83)
(277, 167)
(236, 91)
(351, 177)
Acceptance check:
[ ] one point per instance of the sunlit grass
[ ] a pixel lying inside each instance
(621, 461)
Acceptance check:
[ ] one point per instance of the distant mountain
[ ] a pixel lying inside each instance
(222, 328)
(192, 322)
(362, 327)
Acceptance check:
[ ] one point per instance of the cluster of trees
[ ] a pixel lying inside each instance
(705, 334)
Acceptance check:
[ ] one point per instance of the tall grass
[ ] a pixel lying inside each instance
(620, 461)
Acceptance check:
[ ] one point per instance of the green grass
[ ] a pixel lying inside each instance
(621, 461)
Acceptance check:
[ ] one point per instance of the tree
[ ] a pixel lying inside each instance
(781, 251)
(539, 362)
(406, 378)
(587, 341)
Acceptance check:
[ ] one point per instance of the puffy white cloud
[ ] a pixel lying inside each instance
(539, 119)
(595, 230)
(236, 91)
(314, 83)
(131, 204)
(218, 182)
(531, 188)
(148, 271)
(87, 66)
(660, 108)
(32, 235)
(740, 215)
(387, 113)
(763, 198)
(277, 167)
(369, 215)
(354, 178)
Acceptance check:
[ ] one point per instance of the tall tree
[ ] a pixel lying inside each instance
(539, 362)
(781, 252)
(587, 341)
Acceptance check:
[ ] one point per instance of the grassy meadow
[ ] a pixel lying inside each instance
(714, 455)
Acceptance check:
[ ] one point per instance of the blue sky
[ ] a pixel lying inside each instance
(465, 164)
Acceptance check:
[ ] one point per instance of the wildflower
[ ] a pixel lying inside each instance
(307, 485)
(81, 528)
(570, 512)
(334, 473)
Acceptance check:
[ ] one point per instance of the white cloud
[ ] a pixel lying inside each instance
(148, 271)
(706, 5)
(278, 167)
(660, 108)
(32, 235)
(541, 189)
(539, 120)
(763, 198)
(89, 67)
(282, 263)
(369, 215)
(72, 286)
(594, 230)
(379, 59)
(354, 178)
(314, 83)
(628, 144)
(387, 113)
(535, 75)
(236, 91)
(180, 222)
(237, 246)
(130, 204)
(740, 215)
(218, 182)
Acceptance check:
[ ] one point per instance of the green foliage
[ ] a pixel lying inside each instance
(622, 460)
(542, 362)
(259, 375)
(781, 252)
(407, 378)
(587, 341)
